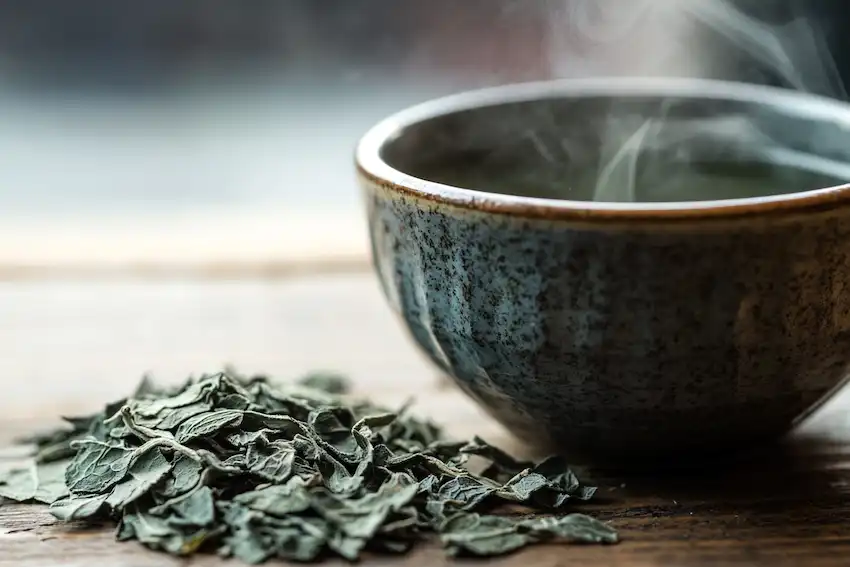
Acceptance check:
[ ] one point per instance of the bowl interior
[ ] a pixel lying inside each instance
(623, 146)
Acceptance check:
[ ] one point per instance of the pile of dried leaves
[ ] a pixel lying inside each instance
(254, 470)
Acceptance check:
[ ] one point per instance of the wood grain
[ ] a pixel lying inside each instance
(71, 346)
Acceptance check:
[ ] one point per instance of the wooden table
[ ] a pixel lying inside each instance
(67, 347)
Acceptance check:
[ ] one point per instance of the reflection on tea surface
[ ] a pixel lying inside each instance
(693, 181)
(628, 149)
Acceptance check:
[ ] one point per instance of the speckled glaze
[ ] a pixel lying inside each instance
(610, 331)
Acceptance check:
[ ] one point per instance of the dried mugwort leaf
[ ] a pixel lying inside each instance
(255, 470)
(465, 492)
(97, 466)
(204, 424)
(280, 500)
(185, 474)
(479, 535)
(40, 483)
(145, 472)
(78, 507)
(271, 461)
(578, 528)
(169, 421)
(474, 534)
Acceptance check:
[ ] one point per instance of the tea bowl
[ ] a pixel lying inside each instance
(683, 313)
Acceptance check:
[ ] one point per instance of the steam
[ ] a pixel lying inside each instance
(796, 51)
(671, 37)
(616, 180)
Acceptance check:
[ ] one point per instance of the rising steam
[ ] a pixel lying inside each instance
(671, 37)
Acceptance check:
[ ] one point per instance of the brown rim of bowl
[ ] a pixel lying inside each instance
(373, 168)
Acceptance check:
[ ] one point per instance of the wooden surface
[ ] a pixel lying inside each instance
(68, 347)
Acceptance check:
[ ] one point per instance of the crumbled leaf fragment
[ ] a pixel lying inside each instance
(146, 471)
(97, 466)
(184, 474)
(488, 535)
(40, 483)
(481, 535)
(577, 528)
(80, 507)
(247, 468)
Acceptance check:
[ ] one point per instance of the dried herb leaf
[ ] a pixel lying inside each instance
(171, 420)
(184, 475)
(361, 517)
(496, 535)
(205, 424)
(41, 483)
(97, 466)
(180, 527)
(272, 461)
(481, 535)
(192, 392)
(279, 500)
(255, 470)
(78, 507)
(465, 492)
(577, 528)
(254, 537)
(144, 473)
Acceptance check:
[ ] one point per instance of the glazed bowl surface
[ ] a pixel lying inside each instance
(669, 309)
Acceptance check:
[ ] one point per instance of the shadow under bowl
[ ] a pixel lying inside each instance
(621, 269)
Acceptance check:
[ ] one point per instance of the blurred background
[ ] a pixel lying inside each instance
(220, 133)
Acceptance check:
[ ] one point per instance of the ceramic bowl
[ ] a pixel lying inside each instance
(619, 330)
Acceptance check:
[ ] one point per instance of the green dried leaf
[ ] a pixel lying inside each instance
(196, 509)
(278, 500)
(235, 402)
(241, 438)
(336, 476)
(157, 533)
(144, 473)
(168, 421)
(255, 470)
(39, 482)
(78, 507)
(473, 534)
(51, 482)
(272, 461)
(153, 531)
(254, 537)
(362, 517)
(575, 528)
(283, 425)
(180, 527)
(482, 535)
(184, 475)
(562, 479)
(97, 466)
(346, 546)
(549, 486)
(191, 393)
(523, 486)
(465, 492)
(208, 423)
(333, 425)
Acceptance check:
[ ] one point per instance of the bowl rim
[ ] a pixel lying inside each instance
(373, 169)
